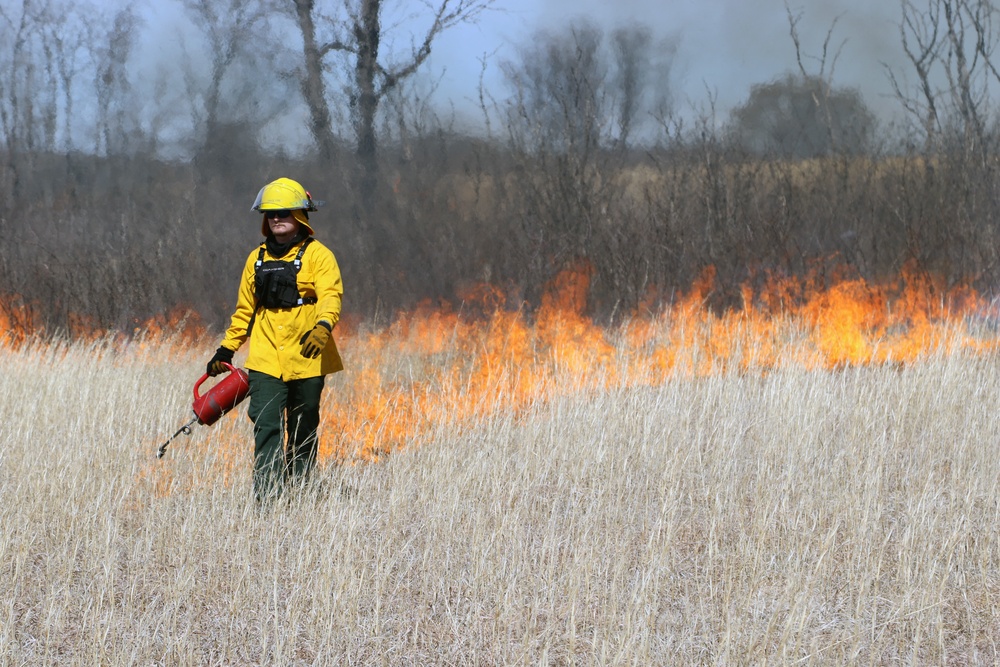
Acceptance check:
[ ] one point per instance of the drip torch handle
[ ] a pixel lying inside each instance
(204, 377)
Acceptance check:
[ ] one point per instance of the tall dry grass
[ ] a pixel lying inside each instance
(791, 516)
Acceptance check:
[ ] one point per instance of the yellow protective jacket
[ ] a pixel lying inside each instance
(274, 340)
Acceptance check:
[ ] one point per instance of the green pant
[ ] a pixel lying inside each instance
(279, 408)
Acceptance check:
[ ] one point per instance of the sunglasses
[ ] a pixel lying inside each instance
(277, 215)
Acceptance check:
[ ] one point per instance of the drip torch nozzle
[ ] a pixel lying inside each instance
(186, 430)
(214, 403)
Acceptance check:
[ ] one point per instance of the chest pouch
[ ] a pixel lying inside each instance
(276, 282)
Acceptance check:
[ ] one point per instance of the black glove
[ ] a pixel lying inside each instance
(222, 355)
(314, 341)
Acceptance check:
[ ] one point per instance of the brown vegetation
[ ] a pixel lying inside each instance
(119, 241)
(681, 491)
(582, 161)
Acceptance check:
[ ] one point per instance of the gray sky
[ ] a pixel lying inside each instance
(725, 46)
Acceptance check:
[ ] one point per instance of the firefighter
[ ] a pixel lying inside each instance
(288, 304)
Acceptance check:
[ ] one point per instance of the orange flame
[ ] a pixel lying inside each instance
(433, 366)
(179, 322)
(438, 367)
(18, 320)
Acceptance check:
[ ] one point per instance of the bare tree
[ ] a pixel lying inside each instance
(28, 108)
(561, 84)
(355, 38)
(631, 49)
(13, 88)
(971, 41)
(313, 82)
(951, 46)
(575, 97)
(229, 29)
(42, 57)
(822, 81)
(229, 109)
(116, 124)
(919, 36)
(72, 58)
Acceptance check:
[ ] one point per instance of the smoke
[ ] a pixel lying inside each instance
(726, 46)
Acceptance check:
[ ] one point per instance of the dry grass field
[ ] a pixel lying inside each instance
(687, 490)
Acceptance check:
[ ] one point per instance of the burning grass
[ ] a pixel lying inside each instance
(815, 485)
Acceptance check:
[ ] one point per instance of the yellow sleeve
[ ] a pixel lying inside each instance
(328, 285)
(236, 335)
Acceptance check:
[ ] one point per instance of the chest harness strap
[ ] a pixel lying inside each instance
(276, 285)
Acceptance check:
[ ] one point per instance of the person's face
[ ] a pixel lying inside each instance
(282, 224)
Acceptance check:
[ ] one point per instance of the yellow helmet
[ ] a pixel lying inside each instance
(285, 193)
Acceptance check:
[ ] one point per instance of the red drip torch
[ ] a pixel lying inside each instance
(217, 401)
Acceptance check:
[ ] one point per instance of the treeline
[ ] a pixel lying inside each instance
(118, 241)
(583, 165)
